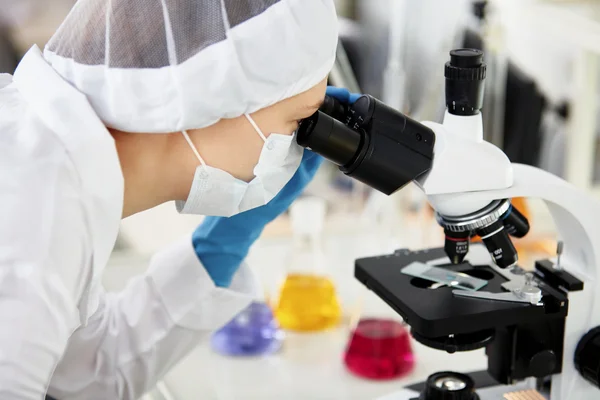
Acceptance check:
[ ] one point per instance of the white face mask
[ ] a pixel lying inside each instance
(215, 192)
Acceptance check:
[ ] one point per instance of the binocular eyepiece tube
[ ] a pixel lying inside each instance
(330, 138)
(370, 142)
(386, 150)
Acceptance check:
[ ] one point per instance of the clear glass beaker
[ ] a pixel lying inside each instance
(253, 332)
(379, 345)
(379, 349)
(307, 298)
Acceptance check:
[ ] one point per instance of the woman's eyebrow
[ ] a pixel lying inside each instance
(304, 110)
(313, 106)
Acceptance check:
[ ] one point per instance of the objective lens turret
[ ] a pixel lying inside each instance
(493, 224)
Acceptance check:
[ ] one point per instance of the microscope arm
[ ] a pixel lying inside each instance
(577, 219)
(469, 182)
(463, 163)
(468, 173)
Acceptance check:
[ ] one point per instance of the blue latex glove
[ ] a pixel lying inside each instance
(342, 94)
(223, 243)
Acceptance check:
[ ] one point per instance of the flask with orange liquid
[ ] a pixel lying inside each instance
(307, 298)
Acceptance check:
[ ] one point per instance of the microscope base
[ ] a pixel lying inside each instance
(491, 393)
(485, 388)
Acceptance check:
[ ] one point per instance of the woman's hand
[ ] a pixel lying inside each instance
(222, 243)
(342, 94)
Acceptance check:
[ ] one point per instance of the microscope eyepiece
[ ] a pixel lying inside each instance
(370, 142)
(334, 108)
(465, 77)
(330, 138)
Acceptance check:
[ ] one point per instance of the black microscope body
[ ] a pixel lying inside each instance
(386, 150)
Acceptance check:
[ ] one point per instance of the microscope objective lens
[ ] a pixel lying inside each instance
(515, 223)
(456, 245)
(499, 245)
(493, 225)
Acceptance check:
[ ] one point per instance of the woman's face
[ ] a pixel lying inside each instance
(234, 146)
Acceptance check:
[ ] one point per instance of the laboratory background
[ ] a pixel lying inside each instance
(325, 335)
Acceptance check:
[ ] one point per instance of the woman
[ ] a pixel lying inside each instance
(132, 104)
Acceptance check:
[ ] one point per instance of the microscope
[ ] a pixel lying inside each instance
(540, 329)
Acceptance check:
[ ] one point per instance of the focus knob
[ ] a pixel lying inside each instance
(542, 363)
(449, 386)
(587, 356)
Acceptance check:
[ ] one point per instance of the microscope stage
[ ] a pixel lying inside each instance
(434, 313)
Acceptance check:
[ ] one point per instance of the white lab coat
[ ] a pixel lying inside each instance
(61, 198)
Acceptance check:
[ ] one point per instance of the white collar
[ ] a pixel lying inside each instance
(67, 113)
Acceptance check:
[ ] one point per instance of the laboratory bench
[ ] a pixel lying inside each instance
(310, 365)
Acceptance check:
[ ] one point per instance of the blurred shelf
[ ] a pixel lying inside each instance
(574, 25)
(573, 21)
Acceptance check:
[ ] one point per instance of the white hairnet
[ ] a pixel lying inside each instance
(161, 66)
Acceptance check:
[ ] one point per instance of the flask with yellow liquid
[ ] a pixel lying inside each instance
(307, 299)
